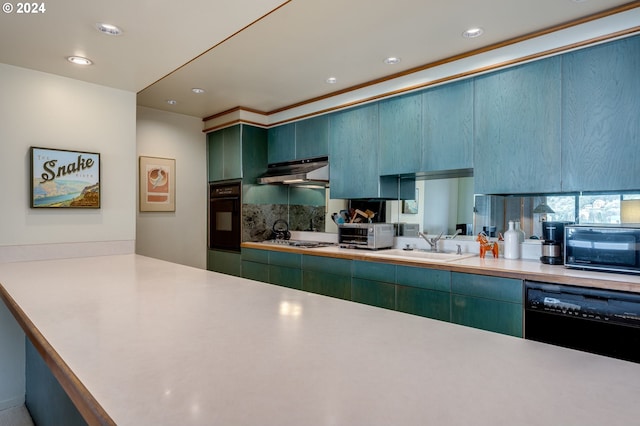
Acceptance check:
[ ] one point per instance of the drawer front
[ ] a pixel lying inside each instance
(431, 279)
(496, 288)
(290, 260)
(383, 272)
(255, 255)
(326, 264)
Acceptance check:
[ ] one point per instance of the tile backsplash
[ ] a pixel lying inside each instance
(258, 219)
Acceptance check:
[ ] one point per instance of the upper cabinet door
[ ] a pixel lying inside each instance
(517, 129)
(312, 137)
(601, 117)
(281, 143)
(224, 154)
(353, 153)
(448, 127)
(400, 134)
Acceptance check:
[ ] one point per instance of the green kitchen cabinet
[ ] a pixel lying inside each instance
(486, 302)
(424, 292)
(400, 124)
(353, 153)
(237, 152)
(447, 127)
(326, 276)
(303, 139)
(226, 262)
(517, 143)
(600, 117)
(312, 137)
(281, 143)
(255, 264)
(285, 269)
(373, 284)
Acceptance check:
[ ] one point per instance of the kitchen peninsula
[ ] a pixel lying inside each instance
(136, 340)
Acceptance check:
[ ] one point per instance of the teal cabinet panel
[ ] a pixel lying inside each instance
(285, 276)
(254, 153)
(255, 271)
(234, 150)
(323, 264)
(327, 284)
(496, 288)
(353, 153)
(376, 271)
(215, 155)
(400, 134)
(447, 118)
(255, 255)
(375, 293)
(431, 279)
(312, 137)
(281, 143)
(601, 125)
(426, 303)
(486, 314)
(291, 260)
(226, 262)
(517, 143)
(232, 167)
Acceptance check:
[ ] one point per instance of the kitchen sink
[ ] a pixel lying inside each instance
(427, 255)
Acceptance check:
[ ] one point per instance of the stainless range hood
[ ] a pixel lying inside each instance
(302, 172)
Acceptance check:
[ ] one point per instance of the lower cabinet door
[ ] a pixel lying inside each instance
(327, 284)
(285, 276)
(255, 271)
(427, 303)
(486, 314)
(375, 293)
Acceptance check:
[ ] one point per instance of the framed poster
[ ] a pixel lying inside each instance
(61, 178)
(157, 184)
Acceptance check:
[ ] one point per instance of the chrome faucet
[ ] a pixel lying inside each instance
(458, 232)
(433, 242)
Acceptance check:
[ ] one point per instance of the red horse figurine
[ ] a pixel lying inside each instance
(486, 245)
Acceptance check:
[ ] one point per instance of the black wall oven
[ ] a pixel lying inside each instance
(224, 216)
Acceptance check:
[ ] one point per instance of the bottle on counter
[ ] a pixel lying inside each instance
(512, 242)
(517, 227)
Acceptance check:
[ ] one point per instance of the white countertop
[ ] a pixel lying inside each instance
(158, 343)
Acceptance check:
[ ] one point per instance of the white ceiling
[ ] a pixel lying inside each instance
(263, 54)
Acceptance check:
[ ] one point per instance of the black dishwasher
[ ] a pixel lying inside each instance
(604, 322)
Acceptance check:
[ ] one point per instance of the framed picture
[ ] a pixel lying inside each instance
(410, 206)
(157, 184)
(64, 179)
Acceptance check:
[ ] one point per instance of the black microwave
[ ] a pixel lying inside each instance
(612, 248)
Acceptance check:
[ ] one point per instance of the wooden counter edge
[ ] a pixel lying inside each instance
(91, 411)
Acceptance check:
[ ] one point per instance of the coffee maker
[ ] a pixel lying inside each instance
(553, 242)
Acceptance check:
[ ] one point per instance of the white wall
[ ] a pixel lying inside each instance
(39, 109)
(179, 236)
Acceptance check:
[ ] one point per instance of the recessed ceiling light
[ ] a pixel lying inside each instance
(108, 29)
(473, 32)
(392, 60)
(332, 80)
(197, 90)
(79, 60)
(172, 101)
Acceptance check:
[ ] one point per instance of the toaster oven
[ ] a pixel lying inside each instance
(613, 248)
(372, 236)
